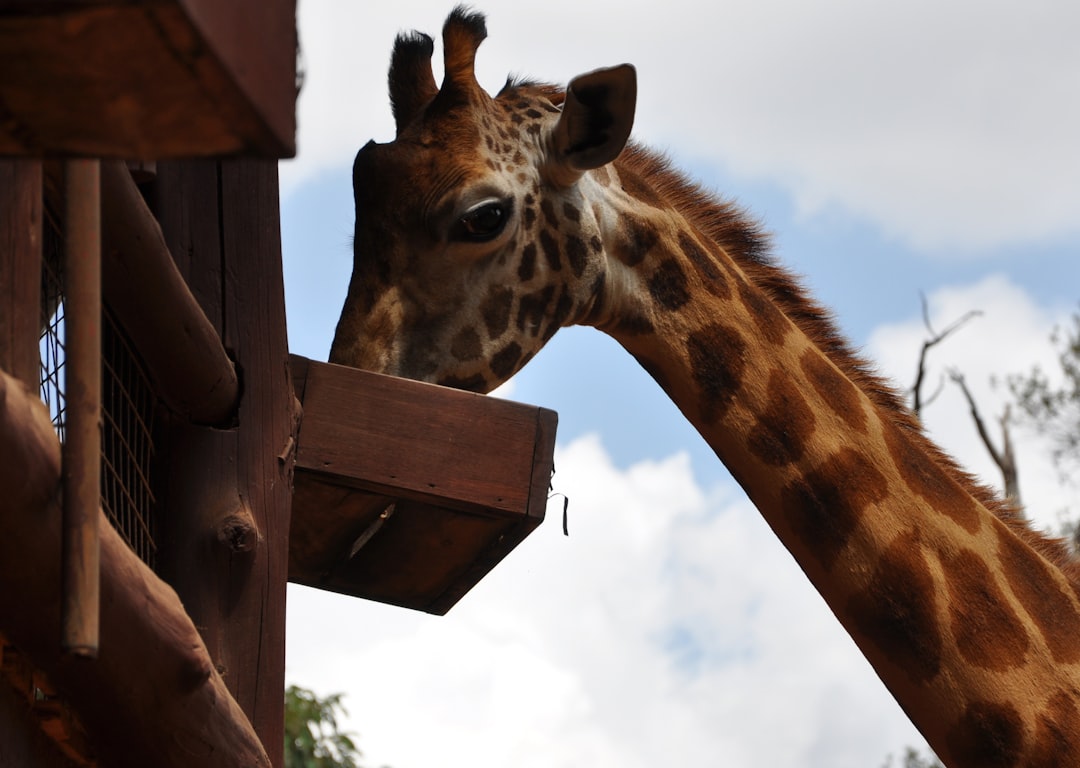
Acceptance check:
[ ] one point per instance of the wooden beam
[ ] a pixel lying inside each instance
(153, 695)
(82, 413)
(212, 78)
(180, 347)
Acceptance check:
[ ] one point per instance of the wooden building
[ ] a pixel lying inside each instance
(165, 465)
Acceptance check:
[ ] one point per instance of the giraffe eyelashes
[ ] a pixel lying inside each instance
(483, 222)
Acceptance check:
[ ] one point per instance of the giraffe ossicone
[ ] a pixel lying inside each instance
(490, 222)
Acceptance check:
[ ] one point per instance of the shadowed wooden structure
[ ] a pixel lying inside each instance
(178, 556)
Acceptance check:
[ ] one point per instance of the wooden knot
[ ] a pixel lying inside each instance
(238, 531)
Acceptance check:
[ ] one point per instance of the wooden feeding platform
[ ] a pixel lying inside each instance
(148, 80)
(408, 493)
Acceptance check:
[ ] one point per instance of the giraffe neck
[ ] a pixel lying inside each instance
(970, 619)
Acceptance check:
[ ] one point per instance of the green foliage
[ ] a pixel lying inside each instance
(312, 736)
(1053, 409)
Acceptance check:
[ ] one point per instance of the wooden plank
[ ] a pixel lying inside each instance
(418, 440)
(20, 268)
(202, 86)
(409, 493)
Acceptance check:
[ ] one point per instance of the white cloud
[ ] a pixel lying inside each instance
(1010, 336)
(949, 125)
(670, 628)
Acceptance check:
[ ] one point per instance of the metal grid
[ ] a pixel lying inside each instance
(128, 406)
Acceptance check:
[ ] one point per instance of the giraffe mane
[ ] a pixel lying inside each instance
(745, 241)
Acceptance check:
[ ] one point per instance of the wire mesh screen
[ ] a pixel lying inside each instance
(128, 406)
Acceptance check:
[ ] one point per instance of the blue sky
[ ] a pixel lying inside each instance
(893, 150)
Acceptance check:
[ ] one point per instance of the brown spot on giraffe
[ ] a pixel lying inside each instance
(986, 630)
(549, 246)
(577, 254)
(1030, 578)
(527, 267)
(768, 320)
(547, 208)
(928, 479)
(667, 285)
(989, 735)
(897, 611)
(716, 365)
(505, 361)
(706, 265)
(784, 425)
(639, 238)
(826, 505)
(496, 310)
(466, 345)
(837, 392)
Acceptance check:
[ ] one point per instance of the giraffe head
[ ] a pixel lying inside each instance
(474, 240)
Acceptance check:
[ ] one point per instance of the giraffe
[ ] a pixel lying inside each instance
(490, 222)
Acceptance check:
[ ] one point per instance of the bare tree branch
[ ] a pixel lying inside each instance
(935, 338)
(1005, 459)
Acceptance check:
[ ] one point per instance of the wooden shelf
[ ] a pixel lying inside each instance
(147, 80)
(408, 493)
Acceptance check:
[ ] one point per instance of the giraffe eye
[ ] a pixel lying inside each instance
(482, 222)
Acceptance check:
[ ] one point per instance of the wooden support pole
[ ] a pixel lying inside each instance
(20, 268)
(153, 696)
(228, 493)
(181, 348)
(82, 417)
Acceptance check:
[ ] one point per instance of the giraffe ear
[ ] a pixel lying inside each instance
(596, 119)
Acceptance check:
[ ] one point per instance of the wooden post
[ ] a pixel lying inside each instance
(20, 268)
(227, 500)
(82, 391)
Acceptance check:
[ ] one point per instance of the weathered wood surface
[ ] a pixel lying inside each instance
(170, 78)
(225, 504)
(153, 695)
(408, 493)
(20, 267)
(178, 344)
